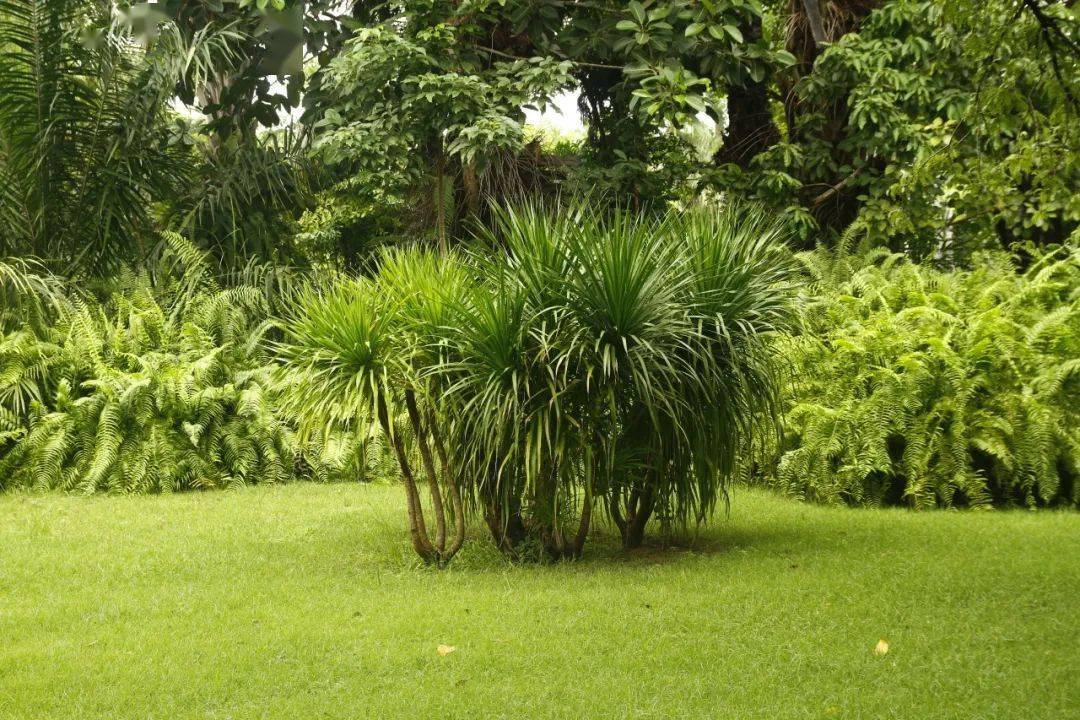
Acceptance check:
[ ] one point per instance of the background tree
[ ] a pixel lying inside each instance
(254, 178)
(938, 127)
(413, 102)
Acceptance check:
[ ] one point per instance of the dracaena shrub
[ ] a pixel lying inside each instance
(570, 361)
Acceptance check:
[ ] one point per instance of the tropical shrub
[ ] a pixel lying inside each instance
(570, 358)
(916, 386)
(620, 360)
(351, 360)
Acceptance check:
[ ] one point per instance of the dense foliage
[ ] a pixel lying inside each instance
(85, 130)
(96, 159)
(156, 388)
(919, 387)
(252, 241)
(943, 128)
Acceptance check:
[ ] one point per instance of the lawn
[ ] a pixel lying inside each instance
(303, 601)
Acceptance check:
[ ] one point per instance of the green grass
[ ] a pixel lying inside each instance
(303, 602)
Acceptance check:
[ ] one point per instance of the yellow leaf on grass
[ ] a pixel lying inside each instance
(882, 647)
(445, 650)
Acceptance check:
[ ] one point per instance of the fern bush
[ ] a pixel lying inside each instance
(915, 386)
(157, 387)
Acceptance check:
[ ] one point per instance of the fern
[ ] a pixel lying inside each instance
(915, 386)
(155, 387)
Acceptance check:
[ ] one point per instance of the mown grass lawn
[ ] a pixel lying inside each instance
(303, 602)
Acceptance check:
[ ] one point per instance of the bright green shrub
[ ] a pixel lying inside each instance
(152, 389)
(916, 386)
(349, 362)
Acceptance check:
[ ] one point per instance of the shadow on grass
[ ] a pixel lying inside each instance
(374, 536)
(768, 540)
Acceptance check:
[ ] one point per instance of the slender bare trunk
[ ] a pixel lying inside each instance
(506, 524)
(546, 511)
(429, 469)
(639, 505)
(470, 181)
(456, 503)
(813, 17)
(615, 510)
(583, 522)
(440, 198)
(635, 529)
(417, 530)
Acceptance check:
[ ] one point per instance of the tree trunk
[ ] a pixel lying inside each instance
(545, 512)
(507, 526)
(417, 530)
(813, 17)
(615, 510)
(640, 504)
(429, 470)
(470, 181)
(456, 504)
(440, 199)
(583, 523)
(805, 36)
(750, 129)
(635, 527)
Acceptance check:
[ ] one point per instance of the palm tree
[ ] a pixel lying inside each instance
(87, 136)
